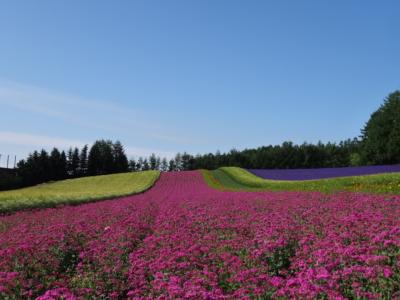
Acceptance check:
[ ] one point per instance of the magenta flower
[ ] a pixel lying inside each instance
(184, 240)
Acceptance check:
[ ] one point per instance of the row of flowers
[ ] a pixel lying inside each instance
(185, 240)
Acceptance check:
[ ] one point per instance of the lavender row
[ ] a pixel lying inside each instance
(321, 173)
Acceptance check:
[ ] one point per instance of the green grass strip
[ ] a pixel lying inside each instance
(233, 178)
(76, 191)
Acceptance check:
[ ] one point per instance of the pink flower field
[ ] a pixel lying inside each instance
(185, 240)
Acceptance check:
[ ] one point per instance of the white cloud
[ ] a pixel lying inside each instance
(145, 152)
(40, 141)
(37, 142)
(105, 117)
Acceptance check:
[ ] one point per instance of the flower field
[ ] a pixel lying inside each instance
(185, 240)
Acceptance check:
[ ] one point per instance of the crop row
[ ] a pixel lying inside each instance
(320, 173)
(233, 178)
(182, 239)
(77, 191)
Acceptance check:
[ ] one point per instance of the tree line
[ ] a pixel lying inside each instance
(285, 156)
(104, 157)
(379, 143)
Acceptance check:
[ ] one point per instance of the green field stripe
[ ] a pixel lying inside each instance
(76, 191)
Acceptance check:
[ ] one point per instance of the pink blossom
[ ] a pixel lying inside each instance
(183, 239)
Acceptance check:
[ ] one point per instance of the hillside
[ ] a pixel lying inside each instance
(74, 191)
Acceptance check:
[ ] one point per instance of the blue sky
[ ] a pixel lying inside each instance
(196, 76)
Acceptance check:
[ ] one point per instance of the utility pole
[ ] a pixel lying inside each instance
(15, 161)
(8, 159)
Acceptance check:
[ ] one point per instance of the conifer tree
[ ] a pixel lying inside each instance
(153, 161)
(381, 134)
(132, 165)
(83, 161)
(145, 166)
(101, 160)
(178, 162)
(171, 166)
(120, 159)
(158, 163)
(75, 167)
(164, 165)
(139, 165)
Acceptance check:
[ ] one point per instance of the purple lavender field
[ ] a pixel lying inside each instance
(321, 173)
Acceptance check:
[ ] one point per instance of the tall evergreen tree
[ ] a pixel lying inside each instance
(62, 169)
(171, 165)
(158, 163)
(164, 165)
(139, 166)
(75, 166)
(120, 159)
(178, 162)
(55, 158)
(70, 168)
(58, 165)
(44, 166)
(83, 161)
(101, 160)
(381, 134)
(186, 161)
(153, 161)
(132, 165)
(145, 166)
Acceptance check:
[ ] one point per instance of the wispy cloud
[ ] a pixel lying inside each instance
(41, 141)
(88, 113)
(144, 152)
(38, 141)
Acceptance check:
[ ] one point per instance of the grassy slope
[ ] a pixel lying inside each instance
(233, 178)
(74, 191)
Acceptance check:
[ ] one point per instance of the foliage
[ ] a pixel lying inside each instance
(381, 134)
(101, 159)
(287, 155)
(233, 178)
(74, 191)
(120, 161)
(9, 179)
(41, 167)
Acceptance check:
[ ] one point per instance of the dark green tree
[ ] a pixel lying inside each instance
(139, 165)
(153, 161)
(58, 165)
(187, 161)
(171, 165)
(178, 162)
(145, 166)
(120, 159)
(381, 134)
(83, 161)
(158, 163)
(75, 166)
(44, 167)
(164, 165)
(132, 165)
(101, 159)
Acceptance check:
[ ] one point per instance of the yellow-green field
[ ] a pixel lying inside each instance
(233, 178)
(74, 191)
